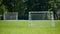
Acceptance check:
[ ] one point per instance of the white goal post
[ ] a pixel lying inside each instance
(41, 15)
(10, 16)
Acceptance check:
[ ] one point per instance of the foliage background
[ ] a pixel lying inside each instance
(24, 6)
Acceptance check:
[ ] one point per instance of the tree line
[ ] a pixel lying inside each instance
(24, 6)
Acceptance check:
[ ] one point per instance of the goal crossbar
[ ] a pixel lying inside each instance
(40, 12)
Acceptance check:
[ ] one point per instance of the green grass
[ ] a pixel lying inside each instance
(21, 27)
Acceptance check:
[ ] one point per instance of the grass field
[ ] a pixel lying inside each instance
(21, 27)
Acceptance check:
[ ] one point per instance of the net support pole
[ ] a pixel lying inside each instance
(30, 22)
(4, 16)
(52, 23)
(16, 15)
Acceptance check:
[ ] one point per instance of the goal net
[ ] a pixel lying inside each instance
(41, 19)
(10, 16)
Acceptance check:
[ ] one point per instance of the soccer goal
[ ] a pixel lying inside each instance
(41, 19)
(10, 16)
